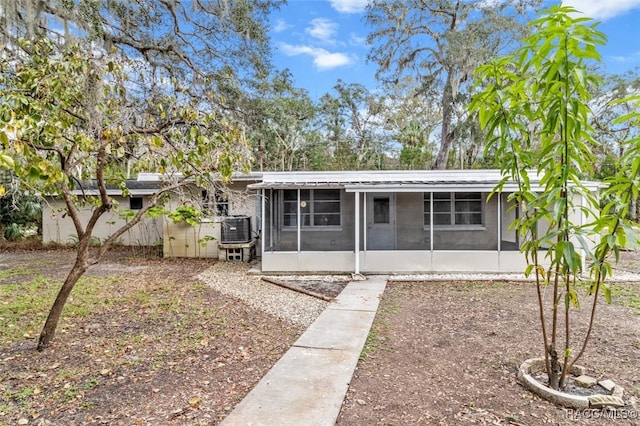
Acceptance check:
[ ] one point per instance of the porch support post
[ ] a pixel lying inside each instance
(272, 222)
(364, 221)
(499, 222)
(298, 221)
(263, 219)
(499, 230)
(431, 227)
(357, 233)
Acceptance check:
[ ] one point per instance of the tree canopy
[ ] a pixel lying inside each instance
(536, 106)
(441, 43)
(102, 90)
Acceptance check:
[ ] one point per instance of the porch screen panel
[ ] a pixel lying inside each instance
(326, 207)
(267, 232)
(463, 221)
(326, 220)
(412, 212)
(332, 221)
(509, 237)
(284, 211)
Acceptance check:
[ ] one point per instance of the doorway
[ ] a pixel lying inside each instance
(381, 221)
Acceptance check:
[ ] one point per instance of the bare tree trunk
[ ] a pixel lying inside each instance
(556, 368)
(79, 268)
(446, 135)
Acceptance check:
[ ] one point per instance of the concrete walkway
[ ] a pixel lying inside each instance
(308, 384)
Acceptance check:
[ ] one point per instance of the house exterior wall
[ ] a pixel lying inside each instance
(490, 247)
(413, 234)
(58, 228)
(316, 239)
(182, 240)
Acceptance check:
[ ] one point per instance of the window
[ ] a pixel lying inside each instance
(222, 203)
(219, 206)
(318, 207)
(381, 210)
(135, 203)
(454, 208)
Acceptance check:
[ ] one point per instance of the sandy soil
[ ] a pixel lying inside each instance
(447, 353)
(171, 351)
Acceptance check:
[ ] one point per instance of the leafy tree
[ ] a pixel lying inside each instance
(124, 87)
(409, 118)
(352, 127)
(19, 210)
(415, 153)
(279, 122)
(605, 111)
(535, 107)
(441, 43)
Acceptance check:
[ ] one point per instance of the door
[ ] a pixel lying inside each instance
(381, 221)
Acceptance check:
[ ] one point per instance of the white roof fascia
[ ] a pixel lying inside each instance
(346, 177)
(157, 177)
(420, 188)
(398, 181)
(115, 192)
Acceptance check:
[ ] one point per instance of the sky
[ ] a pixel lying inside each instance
(321, 41)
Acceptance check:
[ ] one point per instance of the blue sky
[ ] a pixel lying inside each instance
(322, 41)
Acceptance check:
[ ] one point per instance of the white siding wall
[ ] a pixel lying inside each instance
(58, 227)
(181, 240)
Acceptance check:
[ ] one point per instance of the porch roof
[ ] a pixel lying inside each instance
(394, 181)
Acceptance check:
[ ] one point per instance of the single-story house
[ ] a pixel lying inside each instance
(390, 221)
(224, 211)
(57, 227)
(355, 221)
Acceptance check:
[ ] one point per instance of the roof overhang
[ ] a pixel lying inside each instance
(397, 181)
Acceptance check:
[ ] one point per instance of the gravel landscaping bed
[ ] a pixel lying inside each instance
(231, 278)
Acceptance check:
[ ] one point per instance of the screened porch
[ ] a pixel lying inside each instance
(388, 222)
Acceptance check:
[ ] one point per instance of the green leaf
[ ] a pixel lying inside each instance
(606, 291)
(573, 298)
(155, 212)
(529, 269)
(6, 161)
(127, 214)
(157, 142)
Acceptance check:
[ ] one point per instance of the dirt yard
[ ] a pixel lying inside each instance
(447, 353)
(144, 342)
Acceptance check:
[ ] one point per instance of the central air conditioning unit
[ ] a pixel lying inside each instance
(236, 229)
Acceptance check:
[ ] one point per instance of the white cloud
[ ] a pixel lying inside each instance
(631, 58)
(348, 6)
(280, 26)
(602, 9)
(356, 40)
(322, 29)
(322, 59)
